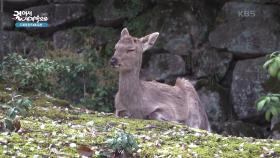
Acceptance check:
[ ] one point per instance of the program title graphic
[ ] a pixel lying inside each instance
(27, 19)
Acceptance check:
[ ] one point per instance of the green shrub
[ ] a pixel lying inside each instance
(25, 73)
(90, 82)
(271, 102)
(87, 79)
(16, 69)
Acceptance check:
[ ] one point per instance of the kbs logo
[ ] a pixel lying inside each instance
(246, 13)
(26, 19)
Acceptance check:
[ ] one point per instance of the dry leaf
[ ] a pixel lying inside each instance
(16, 124)
(84, 150)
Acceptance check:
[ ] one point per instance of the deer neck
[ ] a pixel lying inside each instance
(129, 83)
(130, 91)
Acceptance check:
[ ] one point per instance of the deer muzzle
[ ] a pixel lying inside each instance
(114, 61)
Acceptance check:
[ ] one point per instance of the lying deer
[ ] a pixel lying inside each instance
(152, 100)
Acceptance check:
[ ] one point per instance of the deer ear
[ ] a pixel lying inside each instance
(149, 40)
(124, 32)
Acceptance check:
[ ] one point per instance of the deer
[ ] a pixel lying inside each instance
(151, 99)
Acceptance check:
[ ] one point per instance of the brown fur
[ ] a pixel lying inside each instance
(152, 100)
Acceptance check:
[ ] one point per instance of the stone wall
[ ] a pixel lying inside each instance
(219, 45)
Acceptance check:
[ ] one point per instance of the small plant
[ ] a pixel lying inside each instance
(271, 102)
(18, 105)
(273, 65)
(122, 142)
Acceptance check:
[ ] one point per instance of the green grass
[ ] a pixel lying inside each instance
(56, 129)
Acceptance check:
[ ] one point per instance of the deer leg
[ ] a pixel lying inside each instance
(122, 113)
(159, 115)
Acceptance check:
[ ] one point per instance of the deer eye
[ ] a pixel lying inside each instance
(129, 50)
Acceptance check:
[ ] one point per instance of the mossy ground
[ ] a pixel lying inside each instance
(55, 128)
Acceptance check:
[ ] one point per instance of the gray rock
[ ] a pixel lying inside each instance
(181, 28)
(18, 42)
(21, 1)
(106, 15)
(211, 100)
(67, 1)
(261, 1)
(17, 5)
(217, 2)
(234, 11)
(113, 13)
(181, 45)
(162, 66)
(242, 129)
(247, 86)
(248, 34)
(79, 39)
(68, 40)
(275, 134)
(168, 2)
(60, 15)
(13, 42)
(210, 62)
(275, 127)
(6, 21)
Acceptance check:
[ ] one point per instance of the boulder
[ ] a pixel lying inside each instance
(6, 21)
(215, 2)
(14, 42)
(242, 11)
(162, 66)
(112, 13)
(248, 30)
(261, 1)
(248, 85)
(67, 1)
(21, 1)
(60, 15)
(212, 102)
(181, 26)
(79, 39)
(275, 127)
(18, 42)
(210, 62)
(242, 129)
(181, 45)
(12, 5)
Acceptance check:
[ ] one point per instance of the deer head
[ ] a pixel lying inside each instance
(129, 50)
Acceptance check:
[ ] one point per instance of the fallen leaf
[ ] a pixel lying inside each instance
(84, 150)
(16, 124)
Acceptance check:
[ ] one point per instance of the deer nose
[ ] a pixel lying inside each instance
(114, 61)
